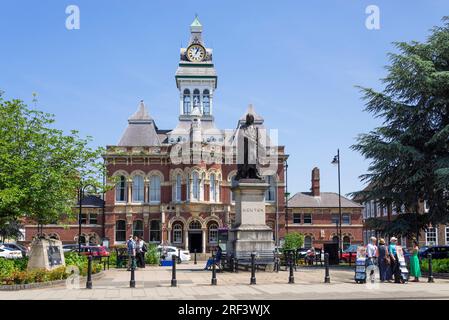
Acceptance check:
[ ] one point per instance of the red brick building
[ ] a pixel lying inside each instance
(174, 186)
(316, 215)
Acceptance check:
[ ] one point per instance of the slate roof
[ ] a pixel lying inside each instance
(141, 130)
(325, 200)
(92, 202)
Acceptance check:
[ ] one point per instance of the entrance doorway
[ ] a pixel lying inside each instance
(195, 241)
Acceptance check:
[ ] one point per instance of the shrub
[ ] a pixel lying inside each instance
(57, 274)
(7, 267)
(293, 241)
(21, 264)
(152, 255)
(438, 265)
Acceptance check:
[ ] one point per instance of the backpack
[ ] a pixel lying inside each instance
(144, 247)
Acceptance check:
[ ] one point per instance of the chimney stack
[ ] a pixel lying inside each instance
(316, 182)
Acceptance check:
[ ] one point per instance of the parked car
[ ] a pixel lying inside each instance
(95, 251)
(349, 254)
(69, 247)
(15, 246)
(166, 253)
(7, 253)
(438, 252)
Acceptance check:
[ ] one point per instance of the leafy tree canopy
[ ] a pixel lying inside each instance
(409, 152)
(41, 168)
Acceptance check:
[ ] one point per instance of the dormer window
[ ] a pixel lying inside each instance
(186, 101)
(206, 102)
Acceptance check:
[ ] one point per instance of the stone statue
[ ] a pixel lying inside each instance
(250, 135)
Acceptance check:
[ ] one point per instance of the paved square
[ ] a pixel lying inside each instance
(194, 283)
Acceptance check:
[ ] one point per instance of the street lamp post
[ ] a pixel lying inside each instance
(81, 191)
(336, 161)
(286, 196)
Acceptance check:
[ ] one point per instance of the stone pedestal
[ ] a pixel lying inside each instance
(250, 232)
(46, 254)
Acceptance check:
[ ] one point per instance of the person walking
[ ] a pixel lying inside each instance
(383, 259)
(142, 250)
(415, 269)
(131, 246)
(371, 252)
(138, 251)
(395, 271)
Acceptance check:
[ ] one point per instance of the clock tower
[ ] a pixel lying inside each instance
(196, 81)
(196, 78)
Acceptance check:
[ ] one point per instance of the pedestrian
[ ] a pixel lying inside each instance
(131, 246)
(138, 252)
(142, 251)
(371, 252)
(383, 260)
(395, 270)
(415, 269)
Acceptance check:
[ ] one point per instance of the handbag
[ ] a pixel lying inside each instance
(387, 257)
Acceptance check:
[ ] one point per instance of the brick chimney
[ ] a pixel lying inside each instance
(315, 182)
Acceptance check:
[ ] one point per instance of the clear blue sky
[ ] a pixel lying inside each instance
(296, 61)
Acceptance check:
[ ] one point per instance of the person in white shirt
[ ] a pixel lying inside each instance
(371, 252)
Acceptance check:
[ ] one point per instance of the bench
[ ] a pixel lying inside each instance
(262, 259)
(122, 257)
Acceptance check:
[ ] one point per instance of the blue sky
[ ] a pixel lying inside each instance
(297, 62)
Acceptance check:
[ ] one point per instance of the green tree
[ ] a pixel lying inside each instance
(409, 151)
(293, 241)
(41, 168)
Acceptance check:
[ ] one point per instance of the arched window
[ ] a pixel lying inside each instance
(270, 194)
(196, 98)
(120, 190)
(186, 101)
(155, 188)
(346, 242)
(206, 102)
(233, 182)
(213, 233)
(178, 188)
(335, 239)
(177, 233)
(195, 186)
(213, 188)
(120, 230)
(307, 242)
(138, 189)
(155, 231)
(138, 228)
(195, 225)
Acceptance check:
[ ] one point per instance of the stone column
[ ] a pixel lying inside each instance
(146, 191)
(204, 232)
(130, 181)
(186, 238)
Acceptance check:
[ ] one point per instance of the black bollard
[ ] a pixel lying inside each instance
(236, 265)
(291, 277)
(253, 268)
(194, 256)
(327, 278)
(173, 272)
(430, 280)
(132, 282)
(214, 272)
(89, 272)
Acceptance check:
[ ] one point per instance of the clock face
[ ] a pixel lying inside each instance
(196, 52)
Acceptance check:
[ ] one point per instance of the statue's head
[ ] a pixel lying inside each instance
(249, 119)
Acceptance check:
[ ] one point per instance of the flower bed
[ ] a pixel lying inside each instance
(13, 272)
